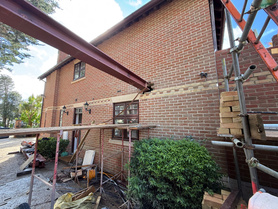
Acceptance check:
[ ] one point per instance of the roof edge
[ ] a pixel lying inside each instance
(126, 22)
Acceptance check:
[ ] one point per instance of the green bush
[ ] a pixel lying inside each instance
(47, 146)
(171, 174)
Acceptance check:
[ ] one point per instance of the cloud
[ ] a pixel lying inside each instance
(135, 3)
(269, 32)
(26, 85)
(237, 34)
(88, 18)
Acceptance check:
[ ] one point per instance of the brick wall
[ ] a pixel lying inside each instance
(170, 47)
(261, 95)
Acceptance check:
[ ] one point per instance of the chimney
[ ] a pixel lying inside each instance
(61, 56)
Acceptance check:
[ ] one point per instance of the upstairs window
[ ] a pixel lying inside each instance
(79, 70)
(129, 115)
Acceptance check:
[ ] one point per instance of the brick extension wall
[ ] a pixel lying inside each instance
(170, 47)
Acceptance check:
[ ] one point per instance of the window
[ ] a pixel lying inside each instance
(79, 70)
(129, 115)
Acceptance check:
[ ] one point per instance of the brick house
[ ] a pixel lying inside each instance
(168, 43)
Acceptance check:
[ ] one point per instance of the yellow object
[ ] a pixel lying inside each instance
(65, 201)
(92, 174)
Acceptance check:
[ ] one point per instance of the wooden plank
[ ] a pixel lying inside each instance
(83, 193)
(231, 125)
(26, 163)
(226, 120)
(256, 127)
(97, 202)
(229, 104)
(78, 173)
(24, 131)
(225, 109)
(229, 114)
(80, 145)
(232, 200)
(236, 131)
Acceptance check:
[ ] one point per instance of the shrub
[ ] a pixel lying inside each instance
(47, 146)
(171, 174)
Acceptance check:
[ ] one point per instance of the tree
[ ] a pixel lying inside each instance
(31, 111)
(14, 44)
(9, 100)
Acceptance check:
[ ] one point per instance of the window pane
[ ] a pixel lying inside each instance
(119, 108)
(132, 120)
(134, 134)
(118, 132)
(82, 73)
(82, 65)
(76, 74)
(119, 121)
(132, 109)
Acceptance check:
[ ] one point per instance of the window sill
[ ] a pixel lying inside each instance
(119, 142)
(77, 80)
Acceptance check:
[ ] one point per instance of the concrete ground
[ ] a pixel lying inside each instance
(14, 190)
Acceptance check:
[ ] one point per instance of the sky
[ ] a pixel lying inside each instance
(88, 19)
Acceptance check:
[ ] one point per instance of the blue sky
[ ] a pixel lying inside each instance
(88, 19)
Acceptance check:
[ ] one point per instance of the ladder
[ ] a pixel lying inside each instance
(272, 12)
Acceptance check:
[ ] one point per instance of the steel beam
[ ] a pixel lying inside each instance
(261, 50)
(23, 16)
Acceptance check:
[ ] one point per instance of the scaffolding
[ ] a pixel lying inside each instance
(59, 132)
(248, 35)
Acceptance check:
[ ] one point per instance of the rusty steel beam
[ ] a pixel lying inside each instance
(272, 11)
(23, 16)
(261, 50)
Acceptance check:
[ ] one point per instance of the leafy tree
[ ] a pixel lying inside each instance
(9, 100)
(31, 111)
(14, 44)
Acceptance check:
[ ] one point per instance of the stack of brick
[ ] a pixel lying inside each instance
(230, 122)
(216, 201)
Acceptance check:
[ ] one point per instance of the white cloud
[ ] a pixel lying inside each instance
(135, 3)
(237, 34)
(88, 18)
(26, 85)
(269, 32)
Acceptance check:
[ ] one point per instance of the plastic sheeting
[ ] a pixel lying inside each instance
(65, 202)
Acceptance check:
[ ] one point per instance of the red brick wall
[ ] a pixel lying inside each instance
(170, 47)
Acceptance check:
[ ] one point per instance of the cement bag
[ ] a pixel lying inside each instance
(263, 201)
(65, 201)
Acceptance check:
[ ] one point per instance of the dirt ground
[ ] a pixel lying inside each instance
(14, 190)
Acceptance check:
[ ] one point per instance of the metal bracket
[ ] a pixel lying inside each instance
(253, 162)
